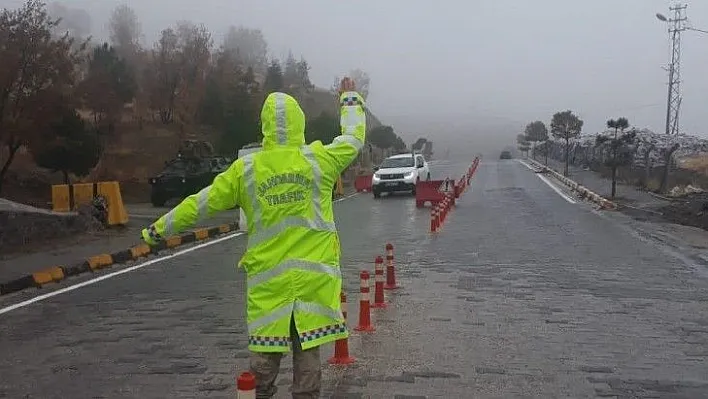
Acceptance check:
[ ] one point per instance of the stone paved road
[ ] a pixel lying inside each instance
(521, 295)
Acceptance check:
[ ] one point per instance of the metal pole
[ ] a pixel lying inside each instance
(668, 98)
(677, 25)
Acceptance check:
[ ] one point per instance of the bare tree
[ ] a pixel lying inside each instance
(35, 70)
(566, 126)
(164, 75)
(74, 21)
(334, 88)
(619, 143)
(178, 72)
(362, 80)
(249, 46)
(650, 147)
(290, 71)
(194, 42)
(523, 144)
(125, 31)
(108, 86)
(536, 132)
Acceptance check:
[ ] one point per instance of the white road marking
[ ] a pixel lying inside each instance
(117, 273)
(346, 198)
(130, 269)
(521, 161)
(548, 182)
(556, 189)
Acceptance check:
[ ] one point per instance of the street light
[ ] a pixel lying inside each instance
(677, 23)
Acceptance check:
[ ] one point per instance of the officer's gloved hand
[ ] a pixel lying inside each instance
(150, 239)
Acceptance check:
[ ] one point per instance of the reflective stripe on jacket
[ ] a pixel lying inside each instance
(292, 259)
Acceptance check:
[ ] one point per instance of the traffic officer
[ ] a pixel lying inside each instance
(293, 252)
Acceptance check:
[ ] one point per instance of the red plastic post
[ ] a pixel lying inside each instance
(438, 216)
(444, 211)
(364, 305)
(246, 386)
(438, 221)
(390, 270)
(379, 299)
(341, 346)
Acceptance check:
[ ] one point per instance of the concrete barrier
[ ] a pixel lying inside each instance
(66, 198)
(582, 191)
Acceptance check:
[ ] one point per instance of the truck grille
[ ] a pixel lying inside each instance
(392, 176)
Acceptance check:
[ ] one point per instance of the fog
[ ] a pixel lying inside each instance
(469, 69)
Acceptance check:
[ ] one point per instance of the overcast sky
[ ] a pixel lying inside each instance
(451, 66)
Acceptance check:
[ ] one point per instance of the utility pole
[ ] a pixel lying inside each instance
(677, 24)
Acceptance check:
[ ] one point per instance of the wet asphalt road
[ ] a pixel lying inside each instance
(522, 294)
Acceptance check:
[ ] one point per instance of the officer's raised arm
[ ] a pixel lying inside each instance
(221, 195)
(345, 148)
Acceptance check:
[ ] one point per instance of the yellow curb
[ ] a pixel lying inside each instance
(99, 261)
(201, 234)
(140, 251)
(173, 241)
(48, 275)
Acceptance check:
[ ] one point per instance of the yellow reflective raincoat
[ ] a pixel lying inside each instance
(292, 259)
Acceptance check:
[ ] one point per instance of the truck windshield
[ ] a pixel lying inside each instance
(389, 163)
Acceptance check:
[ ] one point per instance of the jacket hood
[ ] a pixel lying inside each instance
(282, 121)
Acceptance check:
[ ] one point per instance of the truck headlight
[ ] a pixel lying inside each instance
(408, 175)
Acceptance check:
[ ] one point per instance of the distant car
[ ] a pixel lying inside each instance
(505, 155)
(399, 173)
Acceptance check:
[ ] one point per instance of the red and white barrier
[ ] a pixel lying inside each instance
(390, 270)
(246, 386)
(341, 346)
(379, 298)
(429, 191)
(362, 183)
(364, 305)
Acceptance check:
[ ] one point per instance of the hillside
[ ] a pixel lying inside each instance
(130, 107)
(135, 155)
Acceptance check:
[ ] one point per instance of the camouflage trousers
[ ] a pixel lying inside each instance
(307, 372)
